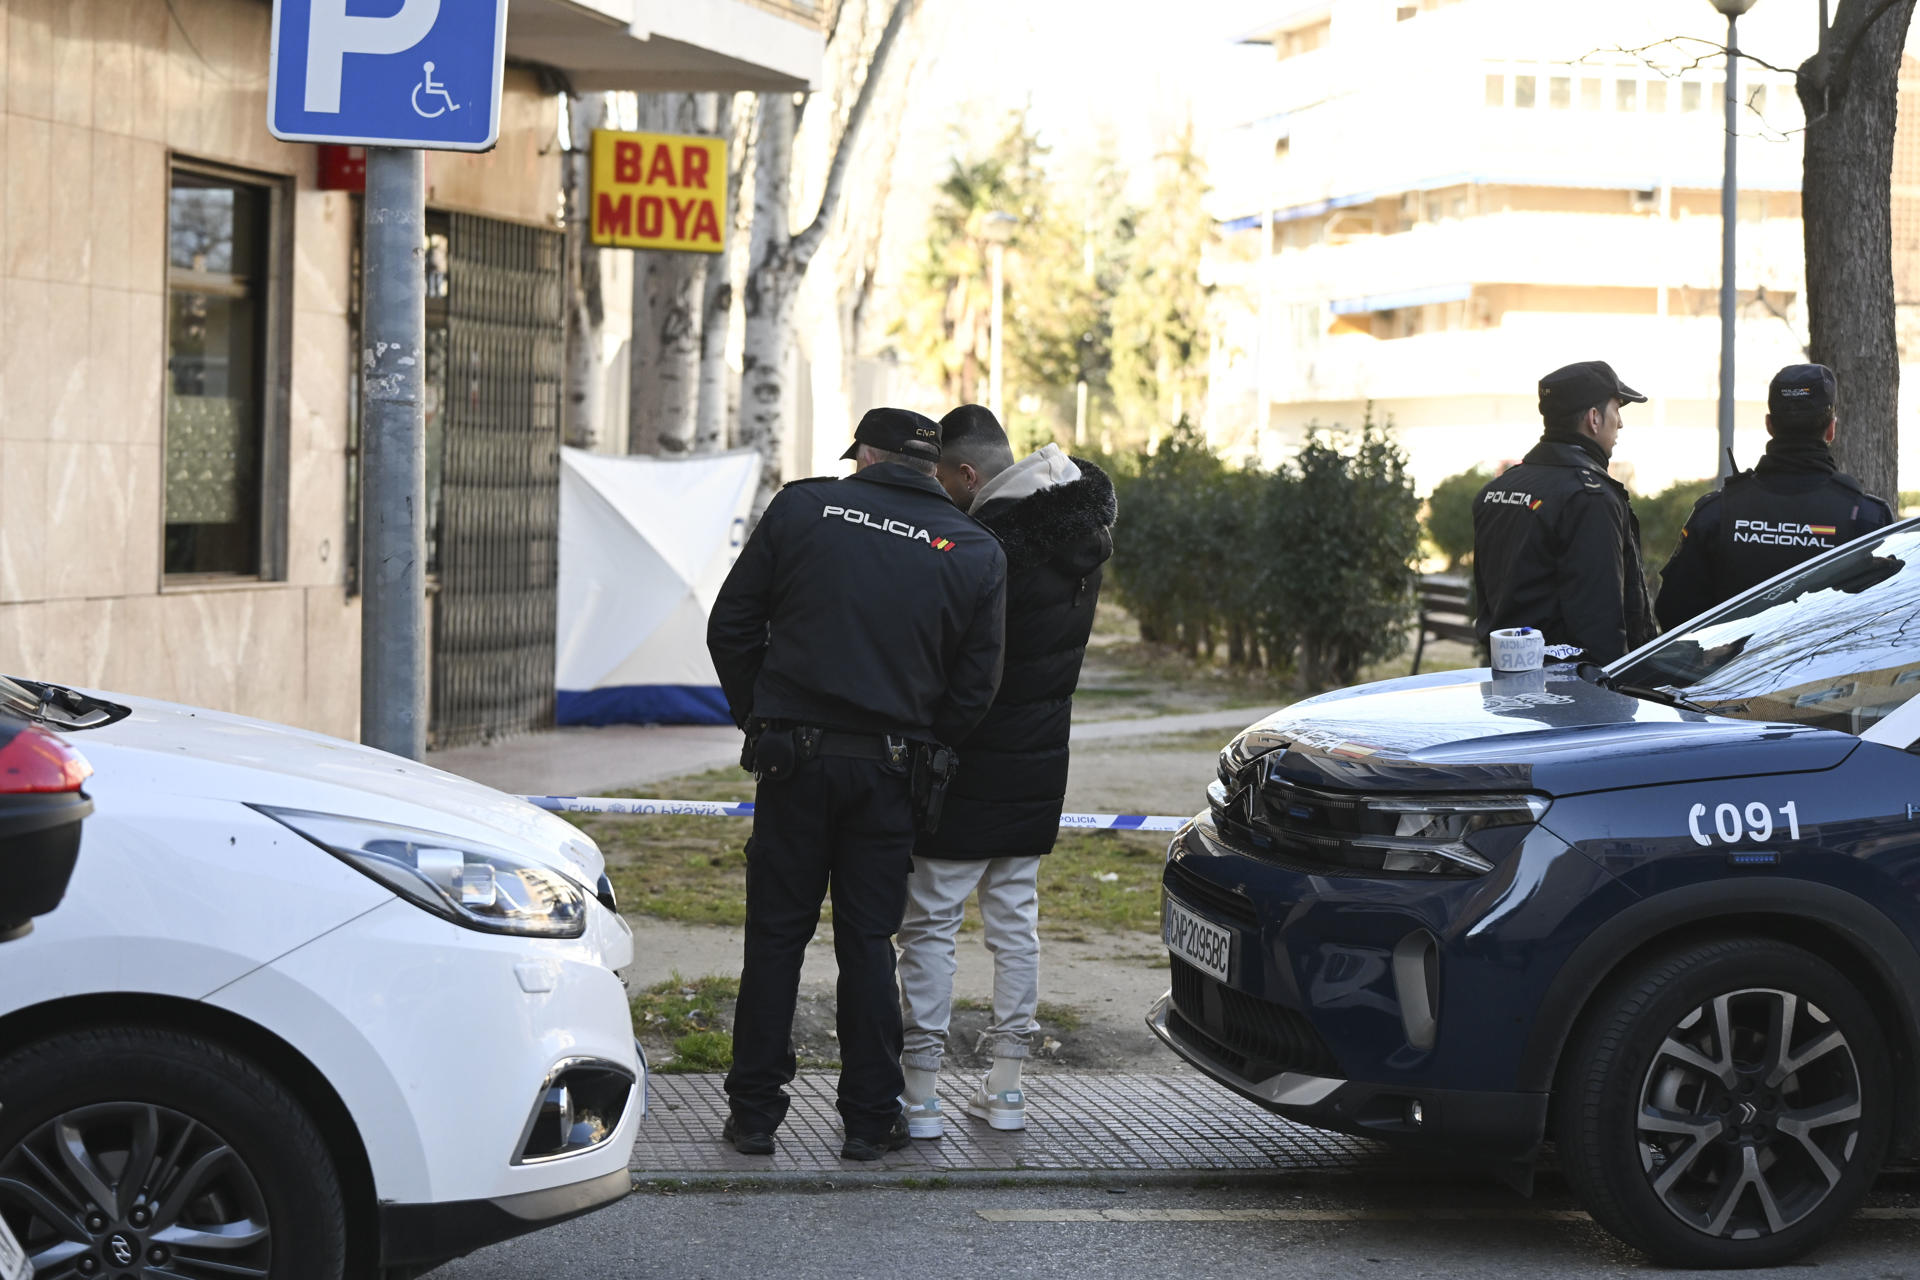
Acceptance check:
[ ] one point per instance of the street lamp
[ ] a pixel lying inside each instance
(998, 228)
(1729, 219)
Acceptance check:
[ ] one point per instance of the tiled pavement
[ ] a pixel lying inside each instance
(1075, 1123)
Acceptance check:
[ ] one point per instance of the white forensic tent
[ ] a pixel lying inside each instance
(645, 543)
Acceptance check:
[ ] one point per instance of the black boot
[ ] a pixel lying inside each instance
(873, 1148)
(748, 1144)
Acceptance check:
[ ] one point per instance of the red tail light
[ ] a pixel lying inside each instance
(38, 762)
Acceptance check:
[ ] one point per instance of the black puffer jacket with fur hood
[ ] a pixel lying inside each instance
(1012, 784)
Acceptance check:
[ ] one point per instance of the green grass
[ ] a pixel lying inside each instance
(694, 870)
(701, 1051)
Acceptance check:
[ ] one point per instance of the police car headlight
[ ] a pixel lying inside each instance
(1432, 834)
(470, 884)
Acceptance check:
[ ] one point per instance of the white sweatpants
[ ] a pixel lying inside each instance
(937, 894)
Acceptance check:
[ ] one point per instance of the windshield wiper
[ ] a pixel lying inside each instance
(59, 706)
(1667, 696)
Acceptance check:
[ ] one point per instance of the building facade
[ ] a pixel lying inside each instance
(1452, 197)
(179, 311)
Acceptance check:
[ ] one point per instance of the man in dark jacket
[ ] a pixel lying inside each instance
(1054, 515)
(1795, 504)
(1555, 542)
(864, 615)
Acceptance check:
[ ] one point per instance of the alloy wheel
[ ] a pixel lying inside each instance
(125, 1189)
(1749, 1113)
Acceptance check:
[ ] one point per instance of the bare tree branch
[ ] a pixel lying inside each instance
(807, 242)
(1712, 50)
(1844, 67)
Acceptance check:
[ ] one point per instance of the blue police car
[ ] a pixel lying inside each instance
(1664, 915)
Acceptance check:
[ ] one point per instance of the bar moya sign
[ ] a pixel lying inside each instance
(659, 191)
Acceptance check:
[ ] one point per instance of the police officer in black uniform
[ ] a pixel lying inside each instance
(1555, 542)
(864, 620)
(1795, 504)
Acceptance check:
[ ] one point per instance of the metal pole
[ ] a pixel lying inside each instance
(1729, 222)
(998, 258)
(393, 630)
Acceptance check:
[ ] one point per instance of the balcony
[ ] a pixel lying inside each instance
(652, 46)
(1673, 358)
(1565, 249)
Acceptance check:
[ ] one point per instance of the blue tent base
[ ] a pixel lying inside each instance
(643, 704)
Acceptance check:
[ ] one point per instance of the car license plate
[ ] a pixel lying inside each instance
(1200, 943)
(13, 1259)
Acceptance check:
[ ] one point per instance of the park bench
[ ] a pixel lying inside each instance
(1446, 612)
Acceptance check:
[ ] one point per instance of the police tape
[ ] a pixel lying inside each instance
(729, 809)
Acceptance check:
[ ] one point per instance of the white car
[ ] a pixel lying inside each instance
(308, 1010)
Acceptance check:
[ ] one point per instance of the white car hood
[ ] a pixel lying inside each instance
(193, 751)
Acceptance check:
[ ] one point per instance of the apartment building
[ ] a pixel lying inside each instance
(1451, 197)
(179, 307)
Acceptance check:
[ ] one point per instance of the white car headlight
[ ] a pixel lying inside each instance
(468, 883)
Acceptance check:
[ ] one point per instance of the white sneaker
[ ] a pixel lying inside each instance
(924, 1119)
(1007, 1110)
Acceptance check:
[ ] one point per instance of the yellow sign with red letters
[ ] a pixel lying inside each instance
(659, 191)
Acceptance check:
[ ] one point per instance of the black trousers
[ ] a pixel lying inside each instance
(844, 826)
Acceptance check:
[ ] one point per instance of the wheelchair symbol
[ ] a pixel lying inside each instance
(428, 87)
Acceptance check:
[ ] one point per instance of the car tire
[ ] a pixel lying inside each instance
(235, 1171)
(1695, 1130)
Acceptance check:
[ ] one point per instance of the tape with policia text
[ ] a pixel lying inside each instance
(727, 809)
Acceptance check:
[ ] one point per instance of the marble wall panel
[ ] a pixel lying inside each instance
(137, 478)
(25, 356)
(520, 178)
(110, 211)
(72, 68)
(323, 234)
(29, 195)
(68, 322)
(147, 27)
(70, 203)
(23, 519)
(109, 346)
(30, 57)
(72, 647)
(333, 663)
(146, 194)
(115, 90)
(146, 366)
(86, 520)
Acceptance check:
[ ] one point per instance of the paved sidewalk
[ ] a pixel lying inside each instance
(591, 762)
(1075, 1124)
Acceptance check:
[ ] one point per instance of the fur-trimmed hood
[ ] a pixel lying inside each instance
(1068, 525)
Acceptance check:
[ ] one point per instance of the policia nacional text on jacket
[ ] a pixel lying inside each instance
(1555, 542)
(1795, 504)
(873, 610)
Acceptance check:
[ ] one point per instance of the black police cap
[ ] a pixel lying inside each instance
(1803, 395)
(897, 431)
(1577, 388)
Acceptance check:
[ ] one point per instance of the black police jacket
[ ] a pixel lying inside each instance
(869, 604)
(1790, 508)
(1006, 799)
(1556, 546)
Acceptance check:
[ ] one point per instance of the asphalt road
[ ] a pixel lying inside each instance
(1335, 1227)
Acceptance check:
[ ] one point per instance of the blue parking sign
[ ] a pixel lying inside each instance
(388, 73)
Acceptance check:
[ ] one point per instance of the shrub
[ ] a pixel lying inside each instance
(1661, 517)
(1346, 537)
(1450, 514)
(1307, 565)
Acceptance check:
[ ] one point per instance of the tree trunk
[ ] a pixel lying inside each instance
(768, 302)
(778, 259)
(676, 283)
(585, 308)
(710, 433)
(1850, 90)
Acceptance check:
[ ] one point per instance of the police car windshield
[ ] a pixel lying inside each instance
(1837, 645)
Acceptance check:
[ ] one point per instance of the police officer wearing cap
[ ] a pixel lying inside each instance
(1555, 542)
(1795, 504)
(864, 620)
